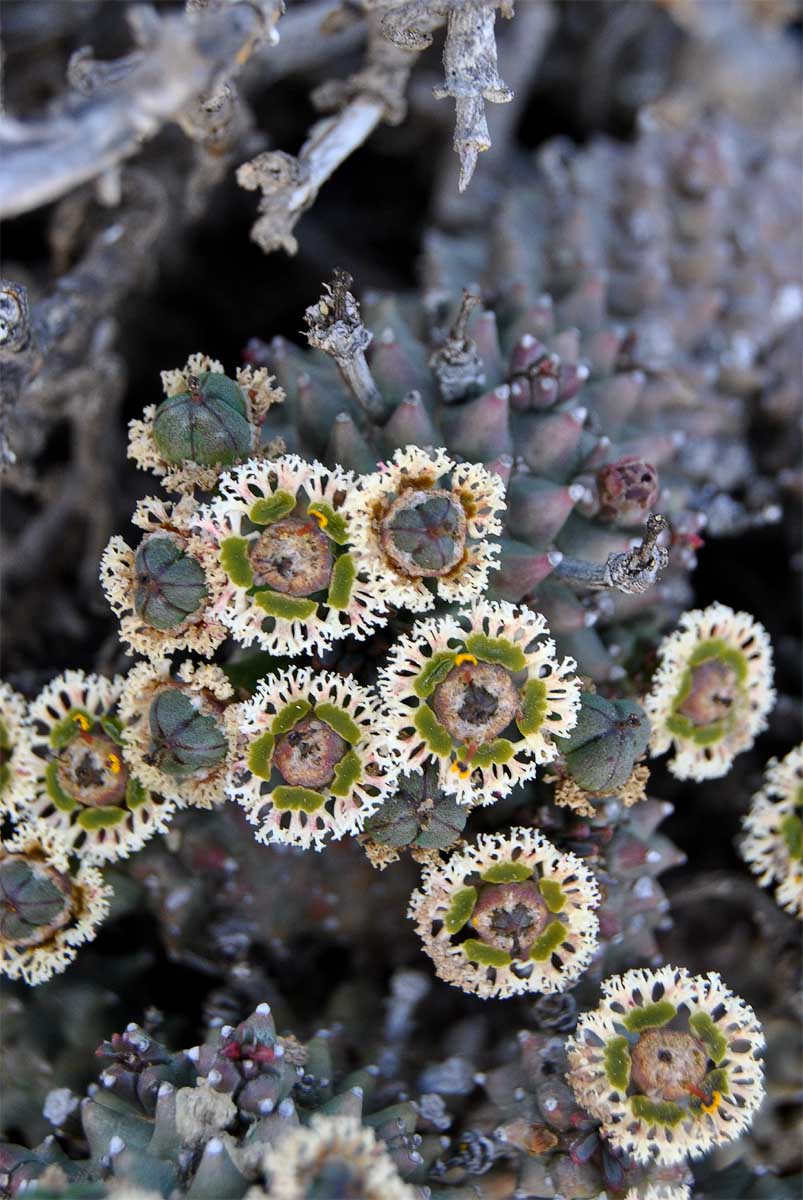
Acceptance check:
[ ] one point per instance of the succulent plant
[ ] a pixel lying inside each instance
(571, 371)
(211, 1120)
(421, 601)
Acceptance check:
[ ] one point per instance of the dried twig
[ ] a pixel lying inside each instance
(521, 45)
(181, 60)
(336, 327)
(290, 184)
(59, 364)
(469, 60)
(633, 571)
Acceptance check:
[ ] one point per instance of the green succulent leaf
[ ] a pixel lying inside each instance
(344, 572)
(272, 509)
(496, 650)
(171, 584)
(602, 748)
(333, 524)
(649, 1016)
(553, 894)
(289, 608)
(705, 1029)
(617, 1063)
(209, 426)
(62, 801)
(460, 909)
(235, 561)
(184, 739)
(289, 716)
(297, 798)
(433, 673)
(347, 772)
(339, 720)
(549, 941)
(260, 755)
(437, 738)
(486, 956)
(507, 872)
(534, 707)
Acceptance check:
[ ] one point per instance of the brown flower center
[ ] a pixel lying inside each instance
(424, 532)
(292, 556)
(476, 702)
(91, 770)
(510, 916)
(714, 690)
(667, 1064)
(308, 754)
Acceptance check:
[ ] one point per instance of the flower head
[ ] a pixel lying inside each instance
(333, 1156)
(712, 691)
(207, 422)
(659, 1191)
(668, 1063)
(163, 594)
(179, 730)
(279, 535)
(16, 757)
(83, 786)
(421, 526)
(508, 915)
(312, 758)
(47, 910)
(773, 845)
(481, 694)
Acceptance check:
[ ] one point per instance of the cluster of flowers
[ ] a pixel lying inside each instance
(292, 556)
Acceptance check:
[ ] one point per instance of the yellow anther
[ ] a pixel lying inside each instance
(114, 764)
(460, 770)
(82, 722)
(716, 1100)
(461, 658)
(320, 517)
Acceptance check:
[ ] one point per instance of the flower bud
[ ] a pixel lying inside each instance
(170, 584)
(606, 741)
(184, 738)
(35, 901)
(628, 490)
(207, 424)
(419, 814)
